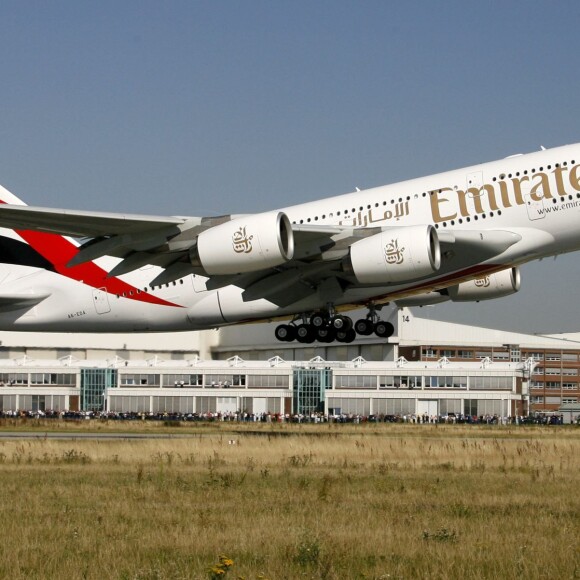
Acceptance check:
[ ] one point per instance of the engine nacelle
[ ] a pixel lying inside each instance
(396, 255)
(245, 244)
(487, 287)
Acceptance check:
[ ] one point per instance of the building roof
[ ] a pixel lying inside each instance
(421, 331)
(236, 363)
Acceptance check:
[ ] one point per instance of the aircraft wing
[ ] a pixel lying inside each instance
(168, 242)
(80, 223)
(305, 257)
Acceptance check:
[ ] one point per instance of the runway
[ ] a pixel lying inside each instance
(10, 435)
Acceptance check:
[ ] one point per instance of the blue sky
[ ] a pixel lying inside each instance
(202, 108)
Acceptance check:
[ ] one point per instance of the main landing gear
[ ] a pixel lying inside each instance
(325, 327)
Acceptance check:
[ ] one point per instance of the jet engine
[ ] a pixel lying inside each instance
(396, 255)
(244, 244)
(496, 285)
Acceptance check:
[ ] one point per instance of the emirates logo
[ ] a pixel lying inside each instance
(394, 254)
(482, 282)
(241, 242)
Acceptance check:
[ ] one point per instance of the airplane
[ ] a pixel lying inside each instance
(456, 236)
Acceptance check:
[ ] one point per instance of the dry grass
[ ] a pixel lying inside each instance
(385, 501)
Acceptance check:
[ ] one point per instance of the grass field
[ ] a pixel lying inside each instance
(326, 501)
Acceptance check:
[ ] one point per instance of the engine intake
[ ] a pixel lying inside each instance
(245, 244)
(396, 255)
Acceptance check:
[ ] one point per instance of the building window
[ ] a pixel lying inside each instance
(486, 383)
(140, 380)
(217, 381)
(401, 382)
(8, 379)
(182, 380)
(61, 379)
(269, 381)
(356, 382)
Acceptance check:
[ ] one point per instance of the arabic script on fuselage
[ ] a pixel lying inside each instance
(370, 216)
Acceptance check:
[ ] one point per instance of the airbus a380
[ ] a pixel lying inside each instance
(459, 235)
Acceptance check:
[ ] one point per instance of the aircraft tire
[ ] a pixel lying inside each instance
(364, 327)
(346, 336)
(318, 319)
(384, 329)
(285, 332)
(342, 323)
(305, 333)
(325, 334)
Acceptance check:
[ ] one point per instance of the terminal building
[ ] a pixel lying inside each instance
(426, 367)
(275, 387)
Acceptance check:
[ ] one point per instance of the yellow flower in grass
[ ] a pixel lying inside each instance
(227, 562)
(221, 568)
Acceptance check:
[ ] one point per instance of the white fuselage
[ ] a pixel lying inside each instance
(536, 196)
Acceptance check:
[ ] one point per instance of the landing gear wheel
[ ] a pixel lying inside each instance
(304, 333)
(346, 335)
(384, 329)
(364, 326)
(318, 319)
(285, 332)
(325, 334)
(342, 323)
